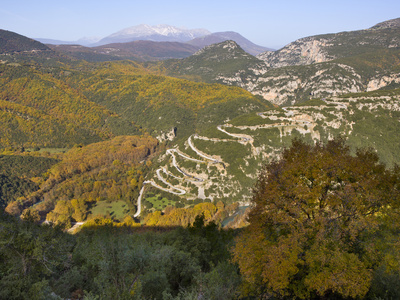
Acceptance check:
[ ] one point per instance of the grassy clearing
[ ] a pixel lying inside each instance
(117, 209)
(159, 202)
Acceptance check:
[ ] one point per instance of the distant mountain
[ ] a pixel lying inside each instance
(199, 38)
(219, 37)
(136, 50)
(158, 33)
(85, 53)
(85, 41)
(11, 42)
(55, 42)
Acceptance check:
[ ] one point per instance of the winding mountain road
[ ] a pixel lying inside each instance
(208, 157)
(292, 119)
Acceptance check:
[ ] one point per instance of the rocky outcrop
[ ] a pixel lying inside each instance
(302, 52)
(169, 135)
(290, 85)
(380, 82)
(394, 23)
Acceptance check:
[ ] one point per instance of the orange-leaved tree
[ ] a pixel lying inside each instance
(323, 222)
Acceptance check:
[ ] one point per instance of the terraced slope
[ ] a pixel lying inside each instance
(221, 163)
(295, 84)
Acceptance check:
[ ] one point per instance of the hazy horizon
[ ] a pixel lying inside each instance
(266, 23)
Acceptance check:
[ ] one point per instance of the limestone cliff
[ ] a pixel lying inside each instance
(302, 52)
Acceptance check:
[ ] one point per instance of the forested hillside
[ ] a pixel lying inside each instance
(20, 175)
(110, 170)
(160, 103)
(37, 109)
(60, 107)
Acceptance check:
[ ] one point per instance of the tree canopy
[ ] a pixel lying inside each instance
(323, 224)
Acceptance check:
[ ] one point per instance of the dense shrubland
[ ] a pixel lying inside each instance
(109, 262)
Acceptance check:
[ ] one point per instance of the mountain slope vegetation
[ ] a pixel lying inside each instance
(160, 103)
(79, 103)
(38, 109)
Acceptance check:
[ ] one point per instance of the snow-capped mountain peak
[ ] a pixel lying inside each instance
(154, 33)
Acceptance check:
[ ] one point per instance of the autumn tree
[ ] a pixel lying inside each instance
(322, 222)
(31, 215)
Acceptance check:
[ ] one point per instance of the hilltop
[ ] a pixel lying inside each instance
(221, 59)
(11, 42)
(394, 23)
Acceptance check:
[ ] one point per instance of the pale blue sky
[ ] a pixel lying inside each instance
(267, 23)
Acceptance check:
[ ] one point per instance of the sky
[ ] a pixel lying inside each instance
(267, 23)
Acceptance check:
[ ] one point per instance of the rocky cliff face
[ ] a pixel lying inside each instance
(302, 52)
(383, 81)
(290, 85)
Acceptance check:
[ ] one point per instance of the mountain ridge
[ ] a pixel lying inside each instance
(166, 33)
